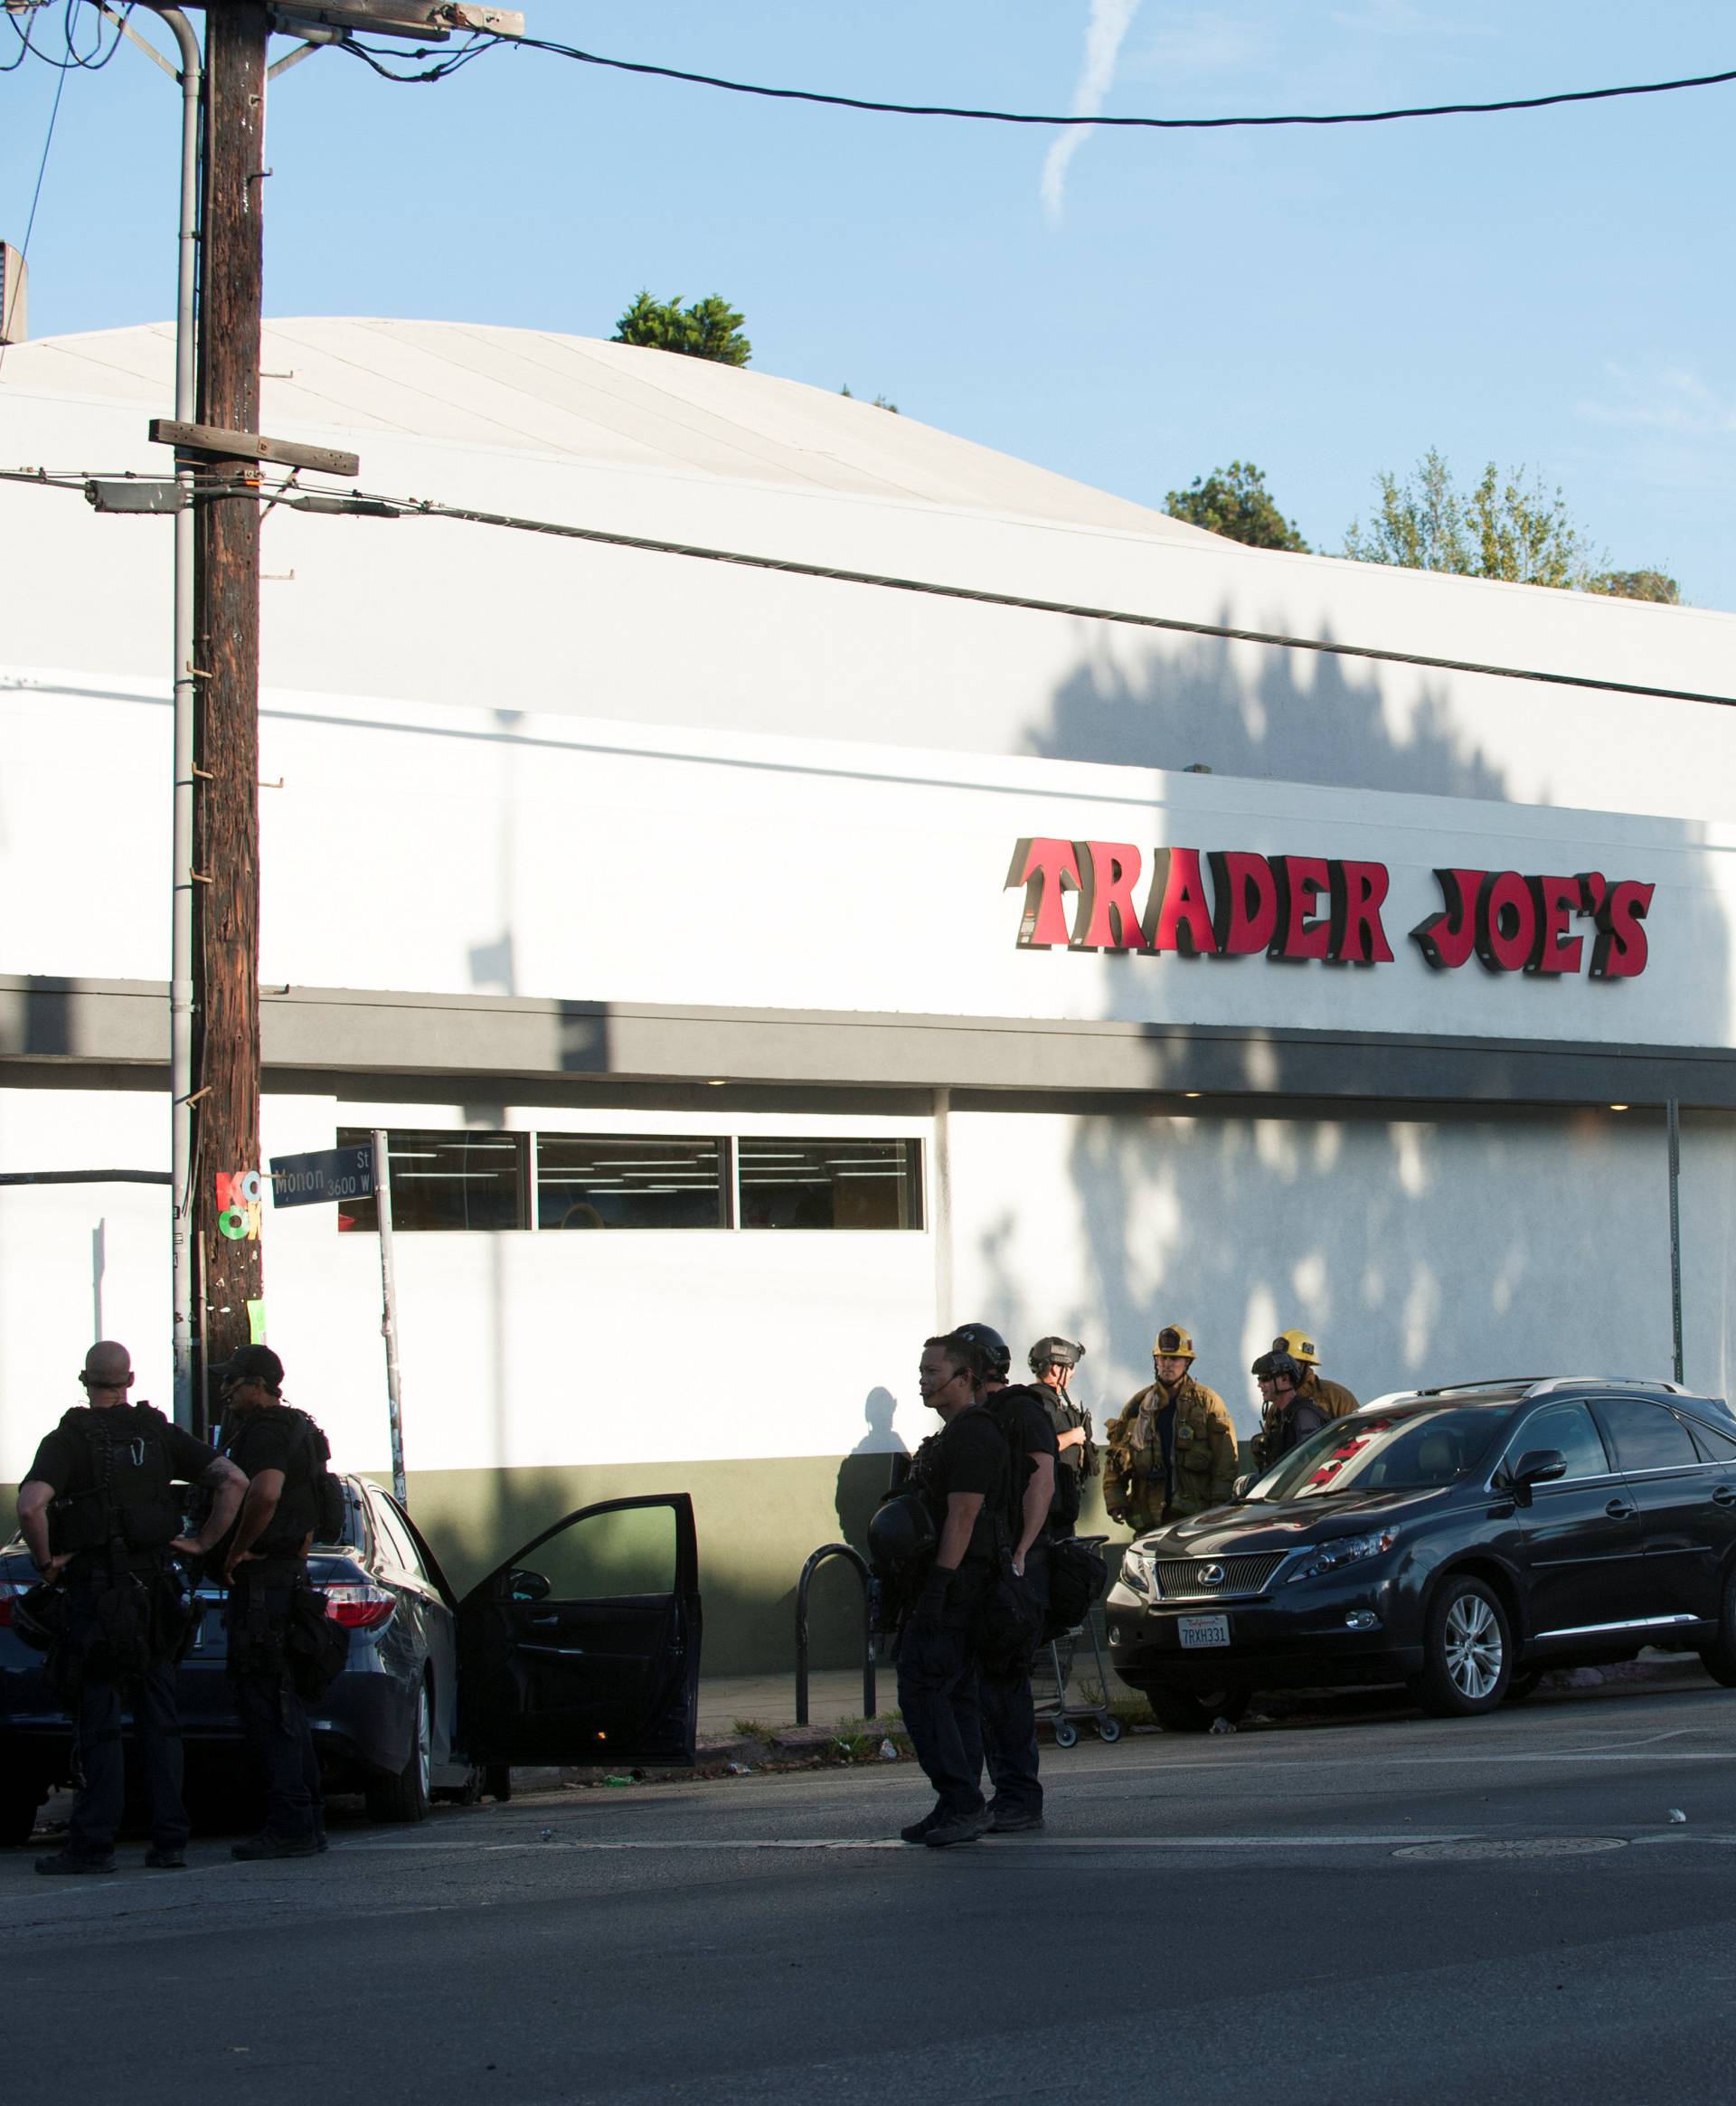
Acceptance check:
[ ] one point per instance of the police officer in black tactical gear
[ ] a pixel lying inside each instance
(265, 1563)
(100, 1519)
(1009, 1725)
(960, 1476)
(1052, 1361)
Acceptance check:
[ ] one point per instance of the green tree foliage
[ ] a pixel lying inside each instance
(1505, 528)
(709, 328)
(879, 401)
(1235, 502)
(1639, 585)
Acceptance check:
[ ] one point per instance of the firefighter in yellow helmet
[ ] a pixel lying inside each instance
(1330, 1397)
(1173, 1450)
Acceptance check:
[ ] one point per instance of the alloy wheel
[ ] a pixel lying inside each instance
(1472, 1647)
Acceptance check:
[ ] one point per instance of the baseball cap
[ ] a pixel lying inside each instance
(257, 1361)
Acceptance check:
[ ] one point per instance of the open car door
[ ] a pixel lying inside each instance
(583, 1646)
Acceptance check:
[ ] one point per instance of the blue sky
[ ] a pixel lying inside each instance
(1553, 289)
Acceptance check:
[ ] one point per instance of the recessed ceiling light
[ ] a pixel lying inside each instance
(717, 1083)
(1193, 1092)
(1618, 1108)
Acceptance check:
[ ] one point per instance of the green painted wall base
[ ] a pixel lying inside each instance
(757, 1523)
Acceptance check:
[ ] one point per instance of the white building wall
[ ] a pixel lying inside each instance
(471, 851)
(1425, 1250)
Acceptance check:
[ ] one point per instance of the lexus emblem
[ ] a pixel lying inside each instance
(1211, 1576)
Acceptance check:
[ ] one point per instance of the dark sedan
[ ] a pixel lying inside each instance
(1459, 1542)
(581, 1647)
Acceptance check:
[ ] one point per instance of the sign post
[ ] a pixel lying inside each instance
(340, 1174)
(388, 1315)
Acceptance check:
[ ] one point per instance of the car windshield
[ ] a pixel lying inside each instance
(1376, 1452)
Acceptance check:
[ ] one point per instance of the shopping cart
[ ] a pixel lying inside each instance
(1052, 1670)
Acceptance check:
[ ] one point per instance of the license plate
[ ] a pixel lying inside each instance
(1203, 1630)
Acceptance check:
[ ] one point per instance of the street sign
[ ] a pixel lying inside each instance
(327, 1174)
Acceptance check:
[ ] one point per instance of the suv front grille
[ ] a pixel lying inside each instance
(1179, 1580)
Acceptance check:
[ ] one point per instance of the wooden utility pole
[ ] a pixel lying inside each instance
(226, 743)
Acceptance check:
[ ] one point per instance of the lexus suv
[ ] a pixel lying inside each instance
(1458, 1541)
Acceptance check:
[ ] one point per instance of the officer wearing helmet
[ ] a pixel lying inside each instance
(1173, 1450)
(1331, 1397)
(939, 1538)
(1296, 1416)
(1009, 1722)
(1052, 1361)
(1260, 1447)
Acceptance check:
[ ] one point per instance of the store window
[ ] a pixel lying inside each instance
(631, 1181)
(553, 1181)
(443, 1180)
(830, 1183)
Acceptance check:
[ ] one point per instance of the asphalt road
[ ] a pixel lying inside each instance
(1392, 1910)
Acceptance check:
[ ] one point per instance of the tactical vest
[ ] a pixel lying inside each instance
(130, 1501)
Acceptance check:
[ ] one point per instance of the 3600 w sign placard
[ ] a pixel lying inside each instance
(1108, 895)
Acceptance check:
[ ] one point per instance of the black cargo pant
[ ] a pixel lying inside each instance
(273, 1717)
(1008, 1717)
(96, 1705)
(937, 1693)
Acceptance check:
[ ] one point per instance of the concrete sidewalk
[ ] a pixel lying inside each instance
(834, 1695)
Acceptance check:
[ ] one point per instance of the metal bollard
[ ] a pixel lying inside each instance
(808, 1570)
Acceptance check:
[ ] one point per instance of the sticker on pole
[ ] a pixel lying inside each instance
(330, 1174)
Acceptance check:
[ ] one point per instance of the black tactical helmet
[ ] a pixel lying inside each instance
(1261, 1370)
(1284, 1368)
(1054, 1352)
(900, 1532)
(997, 1357)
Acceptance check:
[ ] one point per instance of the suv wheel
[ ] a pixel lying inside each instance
(1179, 1710)
(1720, 1656)
(1466, 1651)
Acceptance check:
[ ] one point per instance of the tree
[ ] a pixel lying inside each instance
(1639, 585)
(709, 328)
(1512, 530)
(1507, 528)
(1235, 502)
(879, 401)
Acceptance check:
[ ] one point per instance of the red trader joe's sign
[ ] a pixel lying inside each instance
(1109, 895)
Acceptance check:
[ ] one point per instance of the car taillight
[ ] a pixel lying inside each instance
(360, 1605)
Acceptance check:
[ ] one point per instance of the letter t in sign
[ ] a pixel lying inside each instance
(1046, 869)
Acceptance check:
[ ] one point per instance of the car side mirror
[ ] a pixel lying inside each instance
(522, 1586)
(1537, 1466)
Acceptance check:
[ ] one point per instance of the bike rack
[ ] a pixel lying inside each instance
(860, 1565)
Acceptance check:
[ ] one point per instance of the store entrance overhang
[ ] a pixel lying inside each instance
(311, 1032)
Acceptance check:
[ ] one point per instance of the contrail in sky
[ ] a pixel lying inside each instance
(1110, 22)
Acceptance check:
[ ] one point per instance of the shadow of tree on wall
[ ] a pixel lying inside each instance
(1175, 704)
(1419, 1244)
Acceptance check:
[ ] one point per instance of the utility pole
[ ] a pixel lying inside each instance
(226, 739)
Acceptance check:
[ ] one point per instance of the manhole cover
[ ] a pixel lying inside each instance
(1533, 1846)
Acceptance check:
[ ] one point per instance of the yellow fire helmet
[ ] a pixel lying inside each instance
(1298, 1346)
(1175, 1340)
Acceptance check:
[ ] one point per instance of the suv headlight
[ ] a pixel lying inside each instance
(1136, 1573)
(1348, 1550)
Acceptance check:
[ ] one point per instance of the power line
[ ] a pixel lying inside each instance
(380, 505)
(374, 56)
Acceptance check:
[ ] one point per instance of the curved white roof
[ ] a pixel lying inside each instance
(573, 398)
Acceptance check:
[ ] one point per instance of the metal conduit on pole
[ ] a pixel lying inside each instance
(1672, 1112)
(389, 1311)
(184, 1274)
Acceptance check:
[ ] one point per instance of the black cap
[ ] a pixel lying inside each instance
(257, 1361)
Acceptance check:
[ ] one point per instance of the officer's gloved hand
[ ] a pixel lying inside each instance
(929, 1606)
